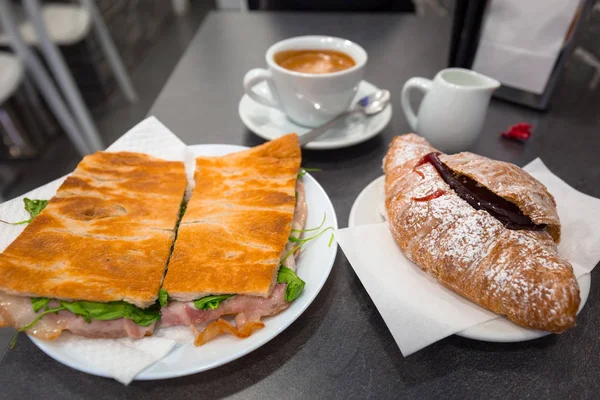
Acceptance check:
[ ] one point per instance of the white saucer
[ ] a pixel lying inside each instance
(269, 123)
(367, 210)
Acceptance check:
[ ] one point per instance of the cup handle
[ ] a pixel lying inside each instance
(413, 83)
(254, 77)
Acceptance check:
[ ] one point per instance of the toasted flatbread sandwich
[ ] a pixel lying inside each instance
(233, 254)
(93, 260)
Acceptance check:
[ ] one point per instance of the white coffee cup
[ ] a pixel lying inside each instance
(308, 99)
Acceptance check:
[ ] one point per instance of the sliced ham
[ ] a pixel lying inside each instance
(300, 213)
(18, 312)
(248, 311)
(186, 313)
(116, 328)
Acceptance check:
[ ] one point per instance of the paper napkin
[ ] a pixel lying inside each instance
(521, 41)
(416, 308)
(121, 359)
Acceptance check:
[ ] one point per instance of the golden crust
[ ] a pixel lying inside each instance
(105, 236)
(515, 273)
(237, 222)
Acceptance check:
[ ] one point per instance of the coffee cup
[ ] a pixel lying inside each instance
(311, 79)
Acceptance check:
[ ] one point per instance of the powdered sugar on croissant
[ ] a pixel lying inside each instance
(517, 273)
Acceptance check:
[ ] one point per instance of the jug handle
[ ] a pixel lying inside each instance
(413, 83)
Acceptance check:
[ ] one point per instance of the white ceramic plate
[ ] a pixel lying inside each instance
(269, 123)
(367, 210)
(314, 266)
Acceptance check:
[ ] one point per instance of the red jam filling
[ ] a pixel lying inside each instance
(480, 197)
(431, 196)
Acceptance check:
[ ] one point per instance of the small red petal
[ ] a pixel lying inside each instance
(520, 132)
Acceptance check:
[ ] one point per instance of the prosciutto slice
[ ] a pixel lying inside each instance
(18, 312)
(298, 222)
(248, 310)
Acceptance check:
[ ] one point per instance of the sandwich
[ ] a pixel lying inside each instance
(93, 260)
(236, 243)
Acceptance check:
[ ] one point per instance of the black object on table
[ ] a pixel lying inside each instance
(340, 347)
(333, 5)
(466, 29)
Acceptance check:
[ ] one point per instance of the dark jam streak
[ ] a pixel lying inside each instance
(481, 198)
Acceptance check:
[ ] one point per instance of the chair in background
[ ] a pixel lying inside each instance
(53, 24)
(21, 133)
(589, 59)
(68, 24)
(43, 80)
(63, 76)
(15, 138)
(110, 51)
(26, 124)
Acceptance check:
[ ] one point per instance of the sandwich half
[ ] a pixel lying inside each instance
(93, 260)
(233, 255)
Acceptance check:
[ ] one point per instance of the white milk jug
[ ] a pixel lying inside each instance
(453, 110)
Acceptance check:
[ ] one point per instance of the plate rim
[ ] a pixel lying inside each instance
(387, 114)
(146, 374)
(478, 332)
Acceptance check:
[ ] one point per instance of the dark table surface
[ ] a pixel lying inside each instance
(340, 347)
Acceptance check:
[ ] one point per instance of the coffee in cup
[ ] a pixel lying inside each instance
(314, 61)
(312, 79)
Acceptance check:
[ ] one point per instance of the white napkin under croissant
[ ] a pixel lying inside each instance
(416, 308)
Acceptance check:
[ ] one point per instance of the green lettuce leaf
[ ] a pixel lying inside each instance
(39, 302)
(211, 302)
(182, 208)
(33, 207)
(303, 171)
(295, 285)
(76, 309)
(141, 317)
(107, 311)
(300, 242)
(163, 297)
(89, 310)
(114, 310)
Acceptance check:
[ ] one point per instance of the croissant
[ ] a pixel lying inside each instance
(485, 229)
